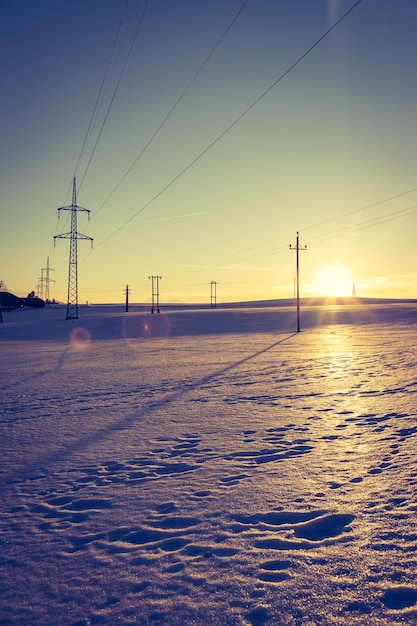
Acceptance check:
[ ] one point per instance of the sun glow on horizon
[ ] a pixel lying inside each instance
(334, 281)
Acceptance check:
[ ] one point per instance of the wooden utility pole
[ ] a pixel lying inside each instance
(213, 294)
(297, 249)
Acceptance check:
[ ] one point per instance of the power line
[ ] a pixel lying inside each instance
(387, 217)
(366, 224)
(398, 214)
(376, 221)
(232, 124)
(364, 208)
(174, 106)
(117, 86)
(115, 90)
(93, 115)
(96, 105)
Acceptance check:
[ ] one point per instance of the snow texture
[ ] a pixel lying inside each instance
(209, 467)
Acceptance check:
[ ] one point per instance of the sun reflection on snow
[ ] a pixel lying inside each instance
(343, 452)
(344, 370)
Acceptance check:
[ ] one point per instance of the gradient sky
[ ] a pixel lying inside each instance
(330, 151)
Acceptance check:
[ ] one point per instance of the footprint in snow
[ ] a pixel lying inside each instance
(312, 526)
(274, 571)
(400, 597)
(324, 527)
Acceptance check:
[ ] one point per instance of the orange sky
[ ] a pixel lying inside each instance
(201, 162)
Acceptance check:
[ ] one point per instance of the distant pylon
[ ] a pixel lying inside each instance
(353, 291)
(213, 294)
(46, 279)
(73, 235)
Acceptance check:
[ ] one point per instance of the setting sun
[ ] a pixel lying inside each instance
(334, 281)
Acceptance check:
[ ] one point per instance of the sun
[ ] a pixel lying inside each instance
(334, 281)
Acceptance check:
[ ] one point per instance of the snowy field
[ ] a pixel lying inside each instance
(209, 467)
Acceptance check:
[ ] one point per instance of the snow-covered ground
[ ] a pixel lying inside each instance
(209, 467)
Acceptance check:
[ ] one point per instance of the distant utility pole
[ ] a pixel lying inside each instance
(3, 286)
(127, 299)
(155, 293)
(297, 249)
(213, 294)
(353, 291)
(73, 235)
(46, 279)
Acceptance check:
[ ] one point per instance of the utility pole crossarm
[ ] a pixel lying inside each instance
(85, 238)
(74, 205)
(69, 208)
(77, 236)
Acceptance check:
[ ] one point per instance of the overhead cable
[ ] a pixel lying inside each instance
(115, 91)
(232, 124)
(174, 106)
(103, 82)
(376, 221)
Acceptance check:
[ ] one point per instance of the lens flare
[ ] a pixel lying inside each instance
(145, 330)
(80, 338)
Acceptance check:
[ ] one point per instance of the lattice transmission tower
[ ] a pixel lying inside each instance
(45, 280)
(73, 235)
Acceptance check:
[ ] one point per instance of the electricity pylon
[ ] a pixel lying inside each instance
(73, 235)
(297, 248)
(46, 279)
